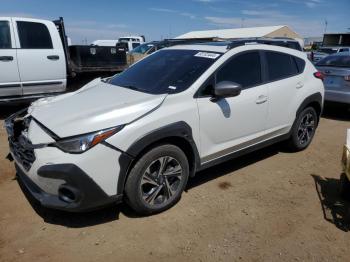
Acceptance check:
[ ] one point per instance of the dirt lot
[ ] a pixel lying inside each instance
(267, 206)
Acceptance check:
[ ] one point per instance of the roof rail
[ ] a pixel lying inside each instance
(289, 43)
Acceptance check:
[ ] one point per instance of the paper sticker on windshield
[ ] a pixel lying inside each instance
(172, 87)
(207, 55)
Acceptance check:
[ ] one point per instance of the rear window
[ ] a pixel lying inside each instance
(5, 36)
(280, 66)
(295, 45)
(300, 64)
(335, 60)
(34, 35)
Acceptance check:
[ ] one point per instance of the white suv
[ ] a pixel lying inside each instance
(140, 135)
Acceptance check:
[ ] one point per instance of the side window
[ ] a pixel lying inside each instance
(300, 64)
(280, 66)
(5, 35)
(244, 69)
(34, 35)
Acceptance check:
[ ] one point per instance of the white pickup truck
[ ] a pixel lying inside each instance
(35, 58)
(130, 42)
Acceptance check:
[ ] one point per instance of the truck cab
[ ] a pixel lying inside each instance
(36, 57)
(32, 58)
(131, 42)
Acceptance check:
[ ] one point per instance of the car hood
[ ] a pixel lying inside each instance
(97, 105)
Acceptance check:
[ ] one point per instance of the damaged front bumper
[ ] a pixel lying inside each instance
(56, 179)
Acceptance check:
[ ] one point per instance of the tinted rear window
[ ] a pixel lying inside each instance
(295, 46)
(5, 36)
(300, 64)
(280, 66)
(34, 35)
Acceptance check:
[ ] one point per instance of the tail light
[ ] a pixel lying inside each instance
(347, 78)
(319, 75)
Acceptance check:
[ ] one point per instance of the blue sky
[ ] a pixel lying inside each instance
(108, 19)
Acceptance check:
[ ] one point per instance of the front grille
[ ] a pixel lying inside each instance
(20, 146)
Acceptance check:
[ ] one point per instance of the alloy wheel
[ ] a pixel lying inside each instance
(306, 128)
(161, 181)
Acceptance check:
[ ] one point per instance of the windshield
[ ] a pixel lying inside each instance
(166, 71)
(327, 50)
(142, 49)
(335, 60)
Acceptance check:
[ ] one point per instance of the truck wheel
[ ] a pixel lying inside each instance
(344, 188)
(157, 180)
(303, 130)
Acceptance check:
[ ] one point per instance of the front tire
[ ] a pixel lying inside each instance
(157, 180)
(303, 130)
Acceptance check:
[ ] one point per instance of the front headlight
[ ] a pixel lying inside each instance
(82, 143)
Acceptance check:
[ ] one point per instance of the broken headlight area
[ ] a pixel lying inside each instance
(20, 146)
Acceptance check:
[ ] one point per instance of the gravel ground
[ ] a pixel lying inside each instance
(270, 205)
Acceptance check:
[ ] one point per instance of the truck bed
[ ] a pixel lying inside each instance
(96, 58)
(84, 58)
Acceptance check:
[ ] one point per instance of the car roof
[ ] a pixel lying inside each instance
(222, 47)
(333, 47)
(201, 47)
(341, 54)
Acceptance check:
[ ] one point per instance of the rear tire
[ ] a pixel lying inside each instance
(303, 130)
(344, 188)
(157, 180)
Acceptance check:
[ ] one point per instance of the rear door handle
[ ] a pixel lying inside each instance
(6, 58)
(53, 57)
(261, 99)
(299, 85)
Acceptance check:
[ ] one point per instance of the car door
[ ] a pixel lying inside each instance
(284, 84)
(9, 77)
(233, 123)
(41, 59)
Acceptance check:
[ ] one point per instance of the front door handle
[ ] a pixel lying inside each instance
(299, 85)
(53, 57)
(261, 99)
(6, 58)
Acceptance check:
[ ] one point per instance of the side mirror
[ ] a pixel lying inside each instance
(227, 89)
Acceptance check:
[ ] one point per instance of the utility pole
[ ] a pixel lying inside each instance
(242, 22)
(170, 33)
(325, 25)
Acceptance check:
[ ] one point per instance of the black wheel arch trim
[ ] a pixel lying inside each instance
(314, 98)
(177, 130)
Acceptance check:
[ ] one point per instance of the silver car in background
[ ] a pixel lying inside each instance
(323, 52)
(336, 71)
